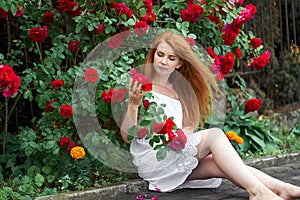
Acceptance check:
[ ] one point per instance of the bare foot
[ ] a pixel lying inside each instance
(263, 195)
(289, 191)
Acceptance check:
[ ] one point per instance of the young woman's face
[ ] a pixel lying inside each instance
(165, 60)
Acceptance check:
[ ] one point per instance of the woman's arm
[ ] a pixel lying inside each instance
(129, 120)
(130, 117)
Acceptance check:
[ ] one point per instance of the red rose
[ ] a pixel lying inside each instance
(211, 52)
(146, 104)
(9, 81)
(115, 41)
(64, 141)
(68, 6)
(261, 61)
(149, 18)
(3, 13)
(229, 37)
(192, 13)
(178, 142)
(48, 17)
(20, 12)
(214, 19)
(253, 105)
(49, 106)
(142, 132)
(226, 62)
(38, 34)
(66, 111)
(106, 96)
(158, 128)
(140, 28)
(71, 145)
(73, 46)
(100, 29)
(238, 53)
(169, 125)
(57, 83)
(190, 41)
(249, 11)
(118, 95)
(91, 75)
(121, 8)
(146, 83)
(255, 42)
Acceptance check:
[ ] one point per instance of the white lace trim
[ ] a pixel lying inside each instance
(187, 160)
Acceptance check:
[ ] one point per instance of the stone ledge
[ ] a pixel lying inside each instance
(138, 185)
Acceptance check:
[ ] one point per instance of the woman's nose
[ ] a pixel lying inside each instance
(164, 60)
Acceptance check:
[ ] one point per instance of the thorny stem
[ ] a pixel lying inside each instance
(8, 38)
(5, 127)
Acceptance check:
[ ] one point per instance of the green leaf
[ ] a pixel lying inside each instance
(1, 56)
(47, 169)
(50, 144)
(50, 178)
(161, 154)
(145, 122)
(39, 180)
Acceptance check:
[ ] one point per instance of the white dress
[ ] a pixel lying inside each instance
(170, 173)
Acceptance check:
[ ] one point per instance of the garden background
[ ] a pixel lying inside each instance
(253, 44)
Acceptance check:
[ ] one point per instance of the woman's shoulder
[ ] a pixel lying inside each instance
(168, 92)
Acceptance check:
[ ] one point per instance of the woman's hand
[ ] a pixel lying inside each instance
(136, 93)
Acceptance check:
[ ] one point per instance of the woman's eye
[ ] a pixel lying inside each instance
(159, 54)
(172, 59)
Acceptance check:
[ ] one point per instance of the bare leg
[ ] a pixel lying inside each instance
(230, 164)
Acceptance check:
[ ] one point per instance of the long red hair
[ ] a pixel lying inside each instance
(195, 87)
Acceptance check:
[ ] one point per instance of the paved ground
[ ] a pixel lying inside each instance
(285, 167)
(289, 172)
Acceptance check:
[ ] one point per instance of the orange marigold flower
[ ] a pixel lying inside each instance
(231, 135)
(77, 152)
(239, 140)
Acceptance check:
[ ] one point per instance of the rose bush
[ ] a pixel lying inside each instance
(46, 45)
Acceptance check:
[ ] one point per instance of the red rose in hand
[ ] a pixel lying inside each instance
(146, 104)
(255, 42)
(64, 141)
(169, 125)
(73, 46)
(91, 75)
(57, 83)
(38, 34)
(158, 128)
(142, 132)
(253, 105)
(66, 111)
(146, 83)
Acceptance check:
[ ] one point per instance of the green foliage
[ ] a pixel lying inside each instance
(34, 163)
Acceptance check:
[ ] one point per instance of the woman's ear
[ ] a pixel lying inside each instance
(179, 65)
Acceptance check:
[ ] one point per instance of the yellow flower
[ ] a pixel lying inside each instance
(77, 152)
(231, 135)
(239, 140)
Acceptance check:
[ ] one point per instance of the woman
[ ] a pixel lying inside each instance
(208, 155)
